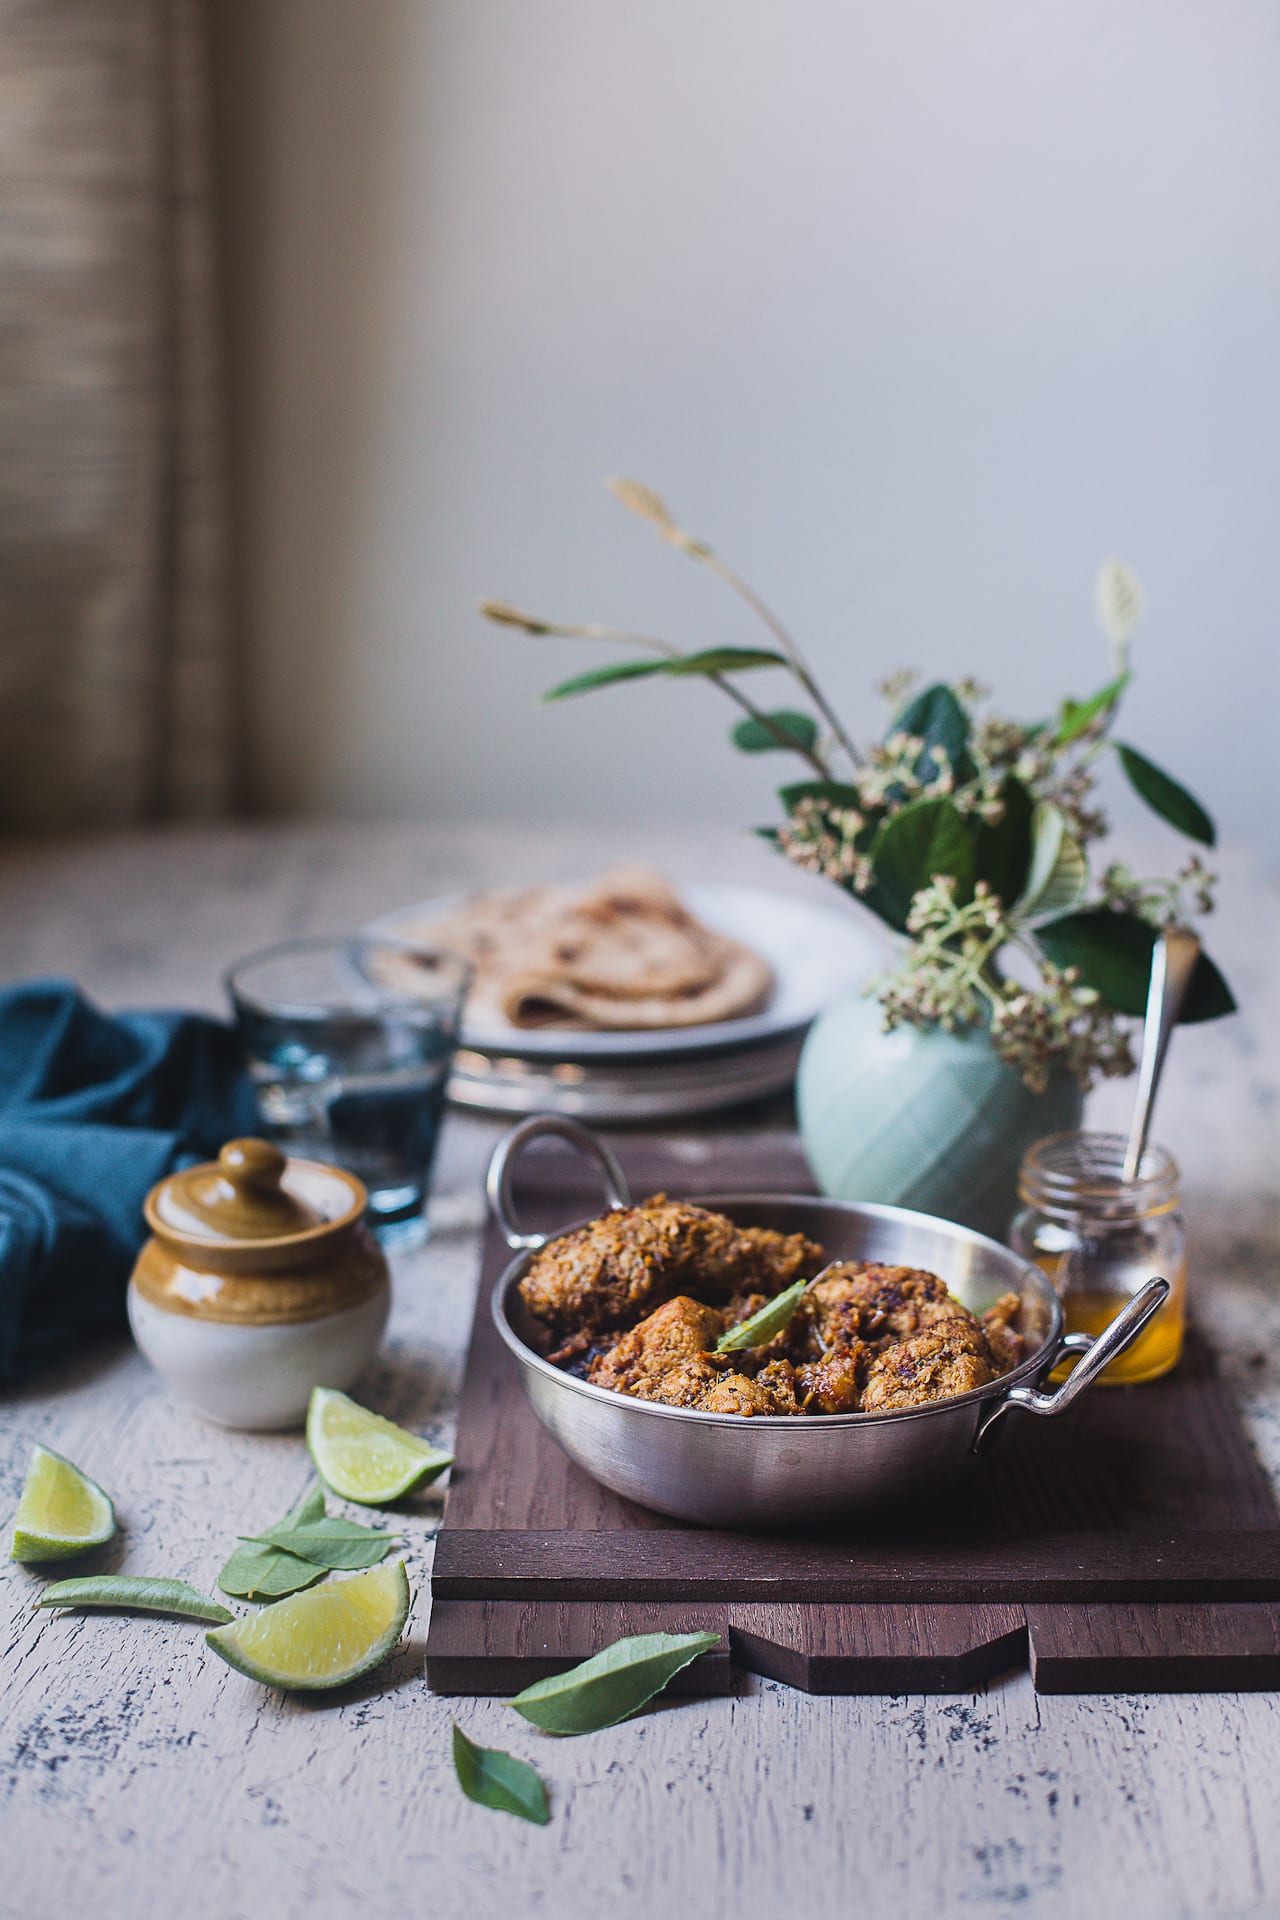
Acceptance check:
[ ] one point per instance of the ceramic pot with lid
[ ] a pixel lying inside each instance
(261, 1280)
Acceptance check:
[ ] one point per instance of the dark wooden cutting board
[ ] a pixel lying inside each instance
(1132, 1545)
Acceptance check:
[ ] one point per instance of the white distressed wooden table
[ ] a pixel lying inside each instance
(140, 1775)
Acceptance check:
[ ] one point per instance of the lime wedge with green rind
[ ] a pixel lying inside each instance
(61, 1513)
(322, 1638)
(363, 1457)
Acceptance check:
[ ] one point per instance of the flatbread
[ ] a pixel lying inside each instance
(623, 954)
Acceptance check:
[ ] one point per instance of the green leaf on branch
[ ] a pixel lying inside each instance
(1078, 716)
(716, 660)
(1002, 852)
(760, 1328)
(606, 677)
(724, 660)
(833, 793)
(798, 731)
(924, 838)
(1165, 796)
(613, 1684)
(495, 1779)
(937, 717)
(1112, 953)
(1058, 879)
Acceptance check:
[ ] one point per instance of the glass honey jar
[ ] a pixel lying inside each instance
(1099, 1237)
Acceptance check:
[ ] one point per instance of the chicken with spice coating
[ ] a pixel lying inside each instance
(639, 1300)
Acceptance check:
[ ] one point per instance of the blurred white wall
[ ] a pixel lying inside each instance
(915, 310)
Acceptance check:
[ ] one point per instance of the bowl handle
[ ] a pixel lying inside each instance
(498, 1180)
(1115, 1337)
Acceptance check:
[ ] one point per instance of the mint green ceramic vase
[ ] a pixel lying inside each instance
(921, 1118)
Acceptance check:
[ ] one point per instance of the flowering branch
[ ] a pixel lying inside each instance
(967, 832)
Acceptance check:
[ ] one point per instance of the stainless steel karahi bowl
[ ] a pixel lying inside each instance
(722, 1470)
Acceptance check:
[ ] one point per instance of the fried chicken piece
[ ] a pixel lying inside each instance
(677, 1335)
(863, 1301)
(603, 1277)
(684, 1386)
(834, 1383)
(950, 1357)
(1007, 1345)
(766, 1261)
(778, 1378)
(735, 1393)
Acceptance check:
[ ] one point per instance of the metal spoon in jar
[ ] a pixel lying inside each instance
(1173, 962)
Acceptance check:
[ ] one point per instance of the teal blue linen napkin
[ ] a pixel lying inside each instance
(94, 1109)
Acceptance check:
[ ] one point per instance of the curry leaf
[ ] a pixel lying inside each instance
(340, 1546)
(605, 677)
(760, 1328)
(1165, 796)
(798, 730)
(267, 1573)
(495, 1779)
(1112, 953)
(612, 1684)
(924, 838)
(134, 1593)
(310, 1507)
(724, 660)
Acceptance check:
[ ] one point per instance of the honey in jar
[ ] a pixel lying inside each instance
(1100, 1237)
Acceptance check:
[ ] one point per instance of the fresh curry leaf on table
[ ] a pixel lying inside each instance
(336, 1545)
(136, 1593)
(496, 1779)
(270, 1573)
(267, 1573)
(612, 1684)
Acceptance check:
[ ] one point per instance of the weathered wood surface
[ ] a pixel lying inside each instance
(138, 1774)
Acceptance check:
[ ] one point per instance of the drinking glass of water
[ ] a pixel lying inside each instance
(349, 1045)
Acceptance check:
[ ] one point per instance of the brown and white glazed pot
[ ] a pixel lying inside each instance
(261, 1281)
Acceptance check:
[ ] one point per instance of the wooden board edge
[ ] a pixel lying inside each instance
(986, 1655)
(473, 1646)
(1079, 1651)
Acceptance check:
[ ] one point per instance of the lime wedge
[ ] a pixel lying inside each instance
(61, 1512)
(364, 1457)
(321, 1638)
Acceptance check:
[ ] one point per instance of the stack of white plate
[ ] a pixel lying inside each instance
(817, 954)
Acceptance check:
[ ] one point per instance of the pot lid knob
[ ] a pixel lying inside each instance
(241, 1196)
